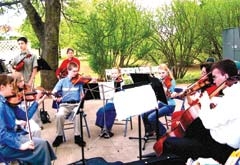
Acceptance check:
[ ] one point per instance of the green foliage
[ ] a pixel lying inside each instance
(112, 33)
(117, 33)
(27, 30)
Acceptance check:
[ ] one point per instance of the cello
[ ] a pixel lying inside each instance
(189, 116)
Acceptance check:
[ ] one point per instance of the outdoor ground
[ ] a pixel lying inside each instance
(117, 148)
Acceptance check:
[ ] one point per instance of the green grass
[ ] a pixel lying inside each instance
(189, 78)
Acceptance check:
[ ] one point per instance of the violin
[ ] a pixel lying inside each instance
(168, 82)
(200, 84)
(20, 64)
(29, 94)
(79, 79)
(189, 116)
(117, 83)
(118, 79)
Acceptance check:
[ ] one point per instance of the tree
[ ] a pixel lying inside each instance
(177, 35)
(46, 29)
(112, 33)
(215, 20)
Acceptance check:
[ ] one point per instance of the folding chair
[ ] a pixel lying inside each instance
(69, 124)
(129, 119)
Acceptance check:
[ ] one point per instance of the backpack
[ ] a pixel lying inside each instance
(45, 118)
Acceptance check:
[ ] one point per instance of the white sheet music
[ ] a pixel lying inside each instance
(134, 101)
(106, 90)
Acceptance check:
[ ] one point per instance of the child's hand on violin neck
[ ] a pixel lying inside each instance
(40, 97)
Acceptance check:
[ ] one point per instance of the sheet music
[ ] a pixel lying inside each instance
(134, 101)
(106, 90)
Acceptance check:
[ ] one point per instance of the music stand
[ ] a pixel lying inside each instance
(134, 102)
(42, 64)
(157, 86)
(91, 91)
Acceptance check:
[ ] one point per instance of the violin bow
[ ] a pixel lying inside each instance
(26, 112)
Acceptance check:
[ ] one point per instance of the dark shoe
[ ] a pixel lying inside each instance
(79, 141)
(149, 134)
(108, 134)
(57, 141)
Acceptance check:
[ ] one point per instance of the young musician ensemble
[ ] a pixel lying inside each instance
(71, 95)
(61, 71)
(214, 131)
(149, 118)
(25, 62)
(13, 144)
(106, 115)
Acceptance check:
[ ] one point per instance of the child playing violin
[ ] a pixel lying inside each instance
(19, 86)
(106, 115)
(13, 144)
(149, 118)
(71, 95)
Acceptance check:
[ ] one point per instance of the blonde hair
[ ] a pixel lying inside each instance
(17, 77)
(165, 67)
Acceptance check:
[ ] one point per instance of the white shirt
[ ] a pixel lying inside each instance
(223, 121)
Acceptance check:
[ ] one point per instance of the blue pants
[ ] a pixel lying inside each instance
(149, 118)
(110, 114)
(42, 154)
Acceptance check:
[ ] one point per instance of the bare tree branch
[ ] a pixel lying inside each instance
(9, 3)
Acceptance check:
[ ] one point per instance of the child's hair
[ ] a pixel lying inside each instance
(165, 67)
(226, 66)
(72, 65)
(24, 39)
(17, 77)
(5, 79)
(70, 49)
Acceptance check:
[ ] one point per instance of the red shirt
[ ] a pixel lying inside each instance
(62, 69)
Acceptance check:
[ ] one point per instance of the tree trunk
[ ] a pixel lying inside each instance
(48, 36)
(51, 42)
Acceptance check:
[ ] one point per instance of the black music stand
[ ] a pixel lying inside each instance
(130, 92)
(139, 78)
(91, 92)
(42, 64)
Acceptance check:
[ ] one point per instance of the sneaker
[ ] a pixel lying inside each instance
(57, 141)
(79, 141)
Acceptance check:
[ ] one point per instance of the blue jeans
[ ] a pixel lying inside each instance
(149, 118)
(106, 115)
